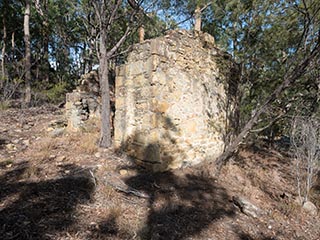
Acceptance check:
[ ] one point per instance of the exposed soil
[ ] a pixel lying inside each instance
(56, 186)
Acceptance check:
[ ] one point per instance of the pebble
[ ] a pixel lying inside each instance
(26, 142)
(61, 158)
(49, 129)
(123, 172)
(10, 146)
(57, 132)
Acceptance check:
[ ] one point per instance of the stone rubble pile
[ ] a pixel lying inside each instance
(84, 102)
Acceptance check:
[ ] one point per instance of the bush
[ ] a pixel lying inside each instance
(57, 93)
(305, 140)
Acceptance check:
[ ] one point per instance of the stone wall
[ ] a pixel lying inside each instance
(84, 102)
(172, 103)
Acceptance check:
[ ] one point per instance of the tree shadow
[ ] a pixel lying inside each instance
(181, 206)
(245, 236)
(36, 210)
(181, 203)
(2, 143)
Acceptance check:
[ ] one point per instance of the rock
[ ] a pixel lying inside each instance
(16, 141)
(97, 154)
(11, 146)
(123, 172)
(310, 208)
(247, 207)
(49, 129)
(26, 127)
(26, 142)
(60, 158)
(57, 132)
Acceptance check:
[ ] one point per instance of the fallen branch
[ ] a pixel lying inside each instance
(114, 181)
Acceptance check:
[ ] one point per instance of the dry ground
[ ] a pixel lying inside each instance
(54, 187)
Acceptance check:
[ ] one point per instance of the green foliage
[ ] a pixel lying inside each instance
(52, 93)
(268, 38)
(4, 105)
(57, 93)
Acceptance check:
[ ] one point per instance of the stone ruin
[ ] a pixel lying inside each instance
(175, 101)
(84, 102)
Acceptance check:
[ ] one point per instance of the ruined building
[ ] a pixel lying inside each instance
(175, 101)
(83, 103)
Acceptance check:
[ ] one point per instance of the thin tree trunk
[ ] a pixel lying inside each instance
(3, 52)
(197, 14)
(105, 138)
(105, 21)
(288, 80)
(45, 25)
(42, 9)
(27, 63)
(46, 53)
(141, 34)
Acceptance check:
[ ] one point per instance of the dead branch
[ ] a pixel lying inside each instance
(113, 180)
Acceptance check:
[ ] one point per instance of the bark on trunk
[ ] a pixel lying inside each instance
(197, 14)
(3, 52)
(141, 34)
(105, 137)
(46, 51)
(46, 34)
(27, 63)
(288, 80)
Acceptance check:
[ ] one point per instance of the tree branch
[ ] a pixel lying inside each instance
(289, 79)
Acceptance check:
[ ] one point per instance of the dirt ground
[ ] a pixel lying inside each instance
(60, 185)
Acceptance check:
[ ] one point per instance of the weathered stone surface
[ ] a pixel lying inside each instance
(310, 208)
(171, 101)
(57, 132)
(247, 207)
(84, 102)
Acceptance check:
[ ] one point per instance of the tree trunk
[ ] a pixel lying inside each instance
(45, 32)
(42, 9)
(3, 52)
(27, 63)
(141, 34)
(46, 52)
(197, 14)
(105, 137)
(288, 80)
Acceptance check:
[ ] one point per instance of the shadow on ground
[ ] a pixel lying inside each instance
(2, 143)
(181, 206)
(39, 210)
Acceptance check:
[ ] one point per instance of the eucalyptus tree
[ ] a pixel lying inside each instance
(4, 8)
(27, 61)
(110, 24)
(12, 47)
(277, 44)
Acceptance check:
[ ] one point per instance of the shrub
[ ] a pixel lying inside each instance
(305, 140)
(57, 93)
